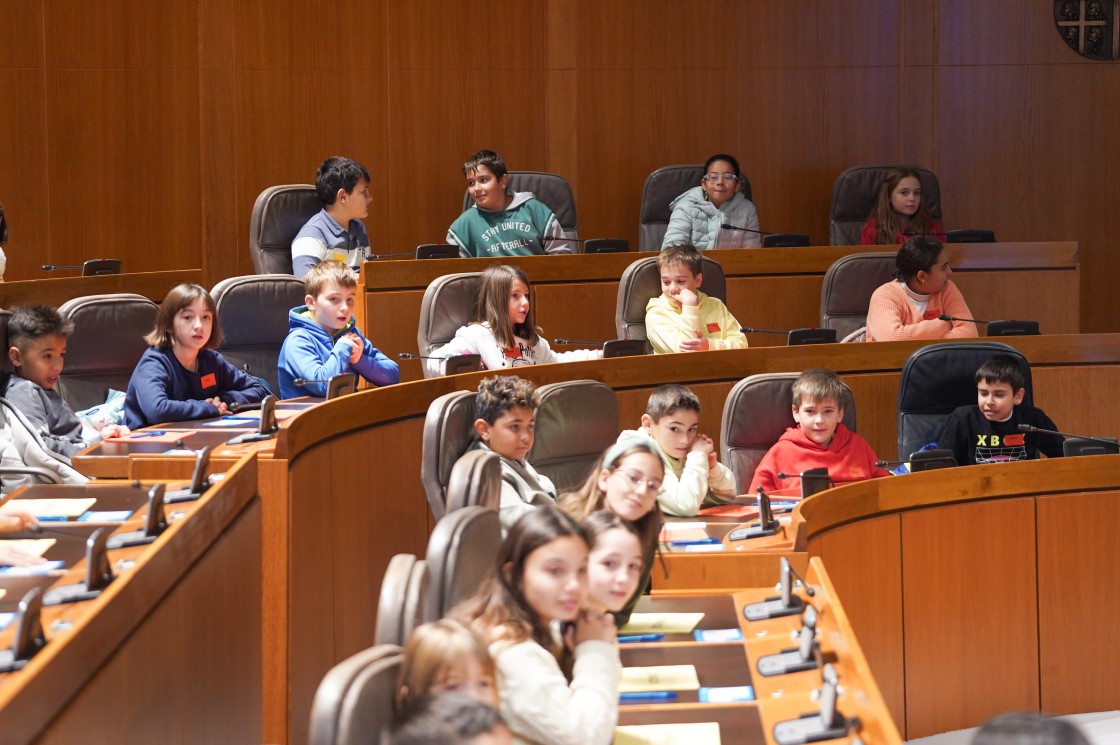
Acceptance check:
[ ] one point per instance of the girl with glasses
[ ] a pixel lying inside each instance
(714, 214)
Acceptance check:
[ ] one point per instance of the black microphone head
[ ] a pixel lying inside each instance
(406, 356)
(810, 591)
(944, 317)
(1026, 428)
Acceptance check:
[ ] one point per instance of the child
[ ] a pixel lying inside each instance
(37, 335)
(899, 213)
(909, 306)
(503, 331)
(445, 656)
(500, 223)
(683, 319)
(322, 339)
(180, 376)
(989, 432)
(614, 564)
(819, 439)
(626, 482)
(541, 579)
(693, 475)
(336, 231)
(505, 411)
(452, 720)
(701, 212)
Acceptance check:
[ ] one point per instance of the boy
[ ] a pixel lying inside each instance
(452, 719)
(683, 319)
(693, 476)
(505, 413)
(500, 223)
(819, 439)
(37, 335)
(336, 232)
(989, 432)
(322, 339)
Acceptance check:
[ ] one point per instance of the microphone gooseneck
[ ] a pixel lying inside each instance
(749, 330)
(946, 317)
(1032, 428)
(584, 343)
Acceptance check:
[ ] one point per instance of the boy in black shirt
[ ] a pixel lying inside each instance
(989, 433)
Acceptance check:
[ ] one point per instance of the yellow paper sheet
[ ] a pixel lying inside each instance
(3, 592)
(67, 508)
(699, 733)
(660, 678)
(662, 623)
(34, 546)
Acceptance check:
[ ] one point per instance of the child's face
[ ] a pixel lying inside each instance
(355, 203)
(499, 735)
(518, 302)
(333, 307)
(907, 196)
(488, 192)
(997, 400)
(614, 567)
(469, 679)
(631, 488)
(41, 362)
(192, 326)
(511, 434)
(720, 191)
(554, 582)
(818, 419)
(936, 278)
(675, 432)
(677, 277)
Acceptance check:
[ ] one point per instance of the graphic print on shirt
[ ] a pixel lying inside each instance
(1000, 448)
(518, 356)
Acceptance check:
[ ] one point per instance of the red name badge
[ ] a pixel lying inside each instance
(209, 381)
(929, 315)
(713, 328)
(513, 353)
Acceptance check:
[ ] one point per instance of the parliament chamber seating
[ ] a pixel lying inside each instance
(641, 282)
(855, 193)
(661, 188)
(354, 702)
(404, 600)
(577, 420)
(462, 552)
(449, 303)
(553, 191)
(278, 214)
(848, 287)
(476, 479)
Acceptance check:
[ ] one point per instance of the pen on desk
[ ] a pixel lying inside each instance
(648, 696)
(154, 433)
(635, 638)
(697, 542)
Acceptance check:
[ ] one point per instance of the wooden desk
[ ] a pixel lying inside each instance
(775, 288)
(170, 651)
(55, 291)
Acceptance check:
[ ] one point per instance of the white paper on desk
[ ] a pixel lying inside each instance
(661, 623)
(66, 508)
(659, 678)
(672, 526)
(33, 546)
(698, 733)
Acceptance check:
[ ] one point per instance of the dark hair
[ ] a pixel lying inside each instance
(916, 255)
(667, 398)
(31, 322)
(3, 227)
(1002, 368)
(182, 296)
(449, 719)
(890, 223)
(487, 158)
(338, 173)
(1028, 728)
(499, 394)
(492, 306)
(722, 156)
(686, 255)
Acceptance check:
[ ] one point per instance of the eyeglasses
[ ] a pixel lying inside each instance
(715, 178)
(636, 481)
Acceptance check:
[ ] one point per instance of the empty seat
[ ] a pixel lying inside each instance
(278, 215)
(253, 315)
(476, 479)
(554, 191)
(641, 281)
(847, 289)
(856, 192)
(577, 420)
(448, 303)
(403, 600)
(354, 702)
(448, 433)
(462, 552)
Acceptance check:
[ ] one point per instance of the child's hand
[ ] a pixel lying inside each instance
(15, 522)
(712, 460)
(687, 297)
(699, 344)
(223, 409)
(355, 343)
(13, 557)
(703, 444)
(113, 430)
(592, 625)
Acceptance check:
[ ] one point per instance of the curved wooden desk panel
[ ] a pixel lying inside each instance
(55, 291)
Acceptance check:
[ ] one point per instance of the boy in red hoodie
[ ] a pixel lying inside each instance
(819, 439)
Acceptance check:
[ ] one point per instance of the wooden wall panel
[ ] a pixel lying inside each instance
(24, 183)
(24, 46)
(128, 34)
(1001, 32)
(821, 34)
(1065, 402)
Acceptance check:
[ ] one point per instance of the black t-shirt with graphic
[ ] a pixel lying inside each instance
(973, 439)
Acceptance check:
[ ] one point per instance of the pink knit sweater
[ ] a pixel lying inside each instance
(893, 317)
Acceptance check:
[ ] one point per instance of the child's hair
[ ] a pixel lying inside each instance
(499, 609)
(723, 156)
(667, 398)
(434, 648)
(31, 322)
(325, 272)
(338, 173)
(1002, 368)
(916, 255)
(487, 158)
(493, 306)
(890, 224)
(601, 521)
(182, 296)
(686, 255)
(499, 394)
(1028, 728)
(448, 720)
(818, 385)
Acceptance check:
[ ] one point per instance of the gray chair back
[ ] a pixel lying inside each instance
(355, 700)
(856, 192)
(462, 552)
(476, 479)
(448, 432)
(554, 191)
(107, 342)
(756, 412)
(278, 215)
(847, 289)
(403, 600)
(253, 315)
(641, 281)
(448, 304)
(661, 188)
(576, 421)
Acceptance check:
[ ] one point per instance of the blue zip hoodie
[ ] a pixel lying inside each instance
(312, 353)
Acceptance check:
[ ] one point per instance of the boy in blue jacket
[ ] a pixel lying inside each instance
(323, 340)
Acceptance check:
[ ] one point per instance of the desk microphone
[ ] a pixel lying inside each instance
(946, 317)
(582, 343)
(1111, 442)
(749, 330)
(237, 406)
(797, 337)
(786, 604)
(1000, 328)
(773, 240)
(55, 267)
(410, 356)
(377, 257)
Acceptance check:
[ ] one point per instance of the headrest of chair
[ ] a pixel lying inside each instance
(577, 420)
(355, 701)
(663, 186)
(448, 304)
(108, 332)
(856, 192)
(940, 377)
(757, 411)
(641, 281)
(554, 191)
(476, 479)
(851, 281)
(448, 432)
(278, 214)
(462, 552)
(253, 310)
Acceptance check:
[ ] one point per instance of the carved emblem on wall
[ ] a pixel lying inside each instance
(1090, 27)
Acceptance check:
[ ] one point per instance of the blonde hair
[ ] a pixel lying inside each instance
(325, 272)
(434, 648)
(181, 297)
(493, 306)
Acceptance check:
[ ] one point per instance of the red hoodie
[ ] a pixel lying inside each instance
(848, 458)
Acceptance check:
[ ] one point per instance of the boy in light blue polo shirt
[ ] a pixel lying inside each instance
(336, 232)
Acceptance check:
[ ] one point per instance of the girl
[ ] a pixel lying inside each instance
(541, 578)
(908, 306)
(180, 376)
(626, 482)
(899, 212)
(445, 656)
(503, 331)
(701, 212)
(615, 562)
